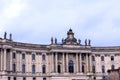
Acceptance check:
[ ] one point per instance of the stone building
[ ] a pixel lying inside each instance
(69, 60)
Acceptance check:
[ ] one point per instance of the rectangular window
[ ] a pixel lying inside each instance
(14, 78)
(93, 58)
(44, 78)
(59, 56)
(24, 78)
(93, 68)
(102, 58)
(103, 69)
(8, 78)
(83, 57)
(34, 78)
(14, 67)
(23, 56)
(14, 55)
(33, 69)
(33, 56)
(112, 58)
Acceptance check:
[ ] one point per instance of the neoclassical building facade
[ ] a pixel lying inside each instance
(69, 60)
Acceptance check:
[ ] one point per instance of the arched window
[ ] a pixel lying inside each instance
(59, 68)
(112, 67)
(23, 68)
(14, 67)
(71, 66)
(83, 69)
(33, 68)
(43, 57)
(43, 69)
(33, 56)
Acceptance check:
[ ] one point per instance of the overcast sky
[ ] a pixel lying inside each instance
(36, 21)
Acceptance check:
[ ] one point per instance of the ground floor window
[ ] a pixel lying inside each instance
(14, 78)
(8, 78)
(24, 78)
(44, 78)
(34, 78)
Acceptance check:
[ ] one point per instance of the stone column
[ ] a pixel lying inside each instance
(76, 63)
(67, 62)
(52, 63)
(86, 62)
(90, 64)
(80, 68)
(0, 60)
(56, 61)
(63, 63)
(4, 59)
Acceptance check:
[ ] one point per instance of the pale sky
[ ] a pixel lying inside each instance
(36, 21)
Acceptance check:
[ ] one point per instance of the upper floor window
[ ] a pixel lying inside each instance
(14, 67)
(23, 68)
(59, 56)
(33, 68)
(103, 69)
(14, 55)
(23, 56)
(112, 58)
(33, 56)
(102, 58)
(83, 57)
(43, 57)
(43, 69)
(112, 67)
(93, 58)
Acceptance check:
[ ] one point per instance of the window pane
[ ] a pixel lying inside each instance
(33, 56)
(14, 67)
(103, 69)
(93, 58)
(23, 68)
(112, 67)
(43, 69)
(102, 58)
(33, 68)
(112, 58)
(43, 57)
(8, 78)
(23, 56)
(44, 78)
(14, 55)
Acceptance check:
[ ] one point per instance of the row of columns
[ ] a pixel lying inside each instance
(65, 60)
(5, 60)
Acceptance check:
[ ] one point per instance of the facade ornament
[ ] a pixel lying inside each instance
(89, 42)
(79, 41)
(55, 40)
(85, 42)
(5, 34)
(62, 40)
(51, 40)
(10, 37)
